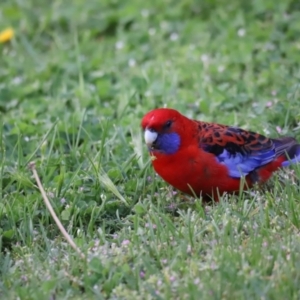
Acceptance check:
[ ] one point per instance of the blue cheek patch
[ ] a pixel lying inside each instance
(168, 142)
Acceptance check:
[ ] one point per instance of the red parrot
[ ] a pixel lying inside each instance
(208, 159)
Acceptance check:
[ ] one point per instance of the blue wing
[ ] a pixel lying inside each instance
(241, 151)
(240, 164)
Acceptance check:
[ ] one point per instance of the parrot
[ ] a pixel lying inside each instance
(207, 160)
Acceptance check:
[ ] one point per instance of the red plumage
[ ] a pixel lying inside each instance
(208, 159)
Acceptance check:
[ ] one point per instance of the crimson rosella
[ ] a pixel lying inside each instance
(208, 159)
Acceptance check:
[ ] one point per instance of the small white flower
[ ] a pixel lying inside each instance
(221, 69)
(164, 25)
(131, 62)
(17, 80)
(125, 242)
(266, 131)
(274, 93)
(189, 249)
(269, 104)
(204, 58)
(270, 46)
(241, 32)
(152, 31)
(145, 13)
(174, 36)
(147, 94)
(119, 45)
(50, 195)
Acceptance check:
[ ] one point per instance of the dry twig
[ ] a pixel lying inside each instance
(52, 212)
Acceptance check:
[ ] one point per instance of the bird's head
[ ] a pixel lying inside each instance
(163, 128)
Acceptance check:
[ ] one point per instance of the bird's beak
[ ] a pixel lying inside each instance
(150, 137)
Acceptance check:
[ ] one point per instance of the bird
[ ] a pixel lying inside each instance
(208, 160)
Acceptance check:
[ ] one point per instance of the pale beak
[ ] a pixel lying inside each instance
(150, 137)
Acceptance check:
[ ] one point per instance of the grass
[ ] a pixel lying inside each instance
(75, 83)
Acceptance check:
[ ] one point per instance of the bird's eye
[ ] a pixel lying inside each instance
(168, 124)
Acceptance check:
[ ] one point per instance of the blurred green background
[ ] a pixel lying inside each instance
(74, 84)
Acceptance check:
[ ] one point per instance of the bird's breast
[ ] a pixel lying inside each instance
(190, 167)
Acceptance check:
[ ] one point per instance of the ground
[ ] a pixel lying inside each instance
(75, 81)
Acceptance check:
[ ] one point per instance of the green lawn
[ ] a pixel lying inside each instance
(74, 84)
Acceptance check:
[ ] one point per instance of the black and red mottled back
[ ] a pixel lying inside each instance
(218, 137)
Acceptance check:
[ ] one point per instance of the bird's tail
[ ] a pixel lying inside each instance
(289, 148)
